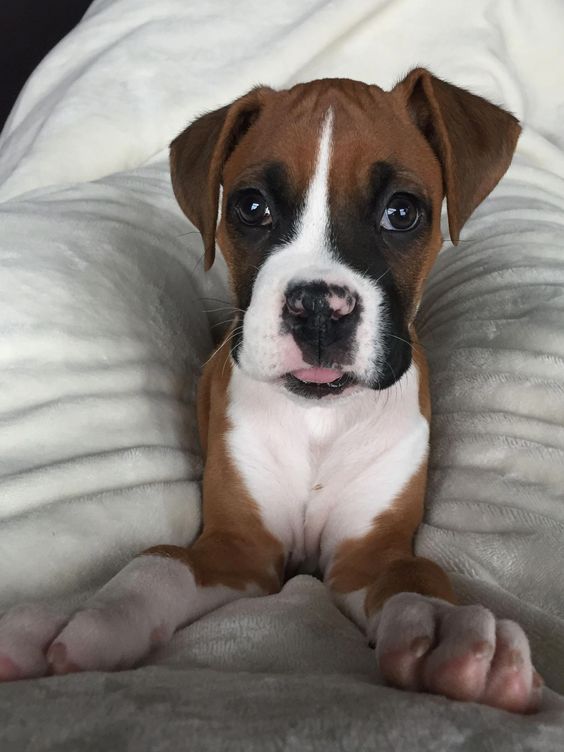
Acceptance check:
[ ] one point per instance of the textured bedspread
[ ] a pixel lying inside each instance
(105, 318)
(287, 672)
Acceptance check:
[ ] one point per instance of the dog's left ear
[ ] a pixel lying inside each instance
(197, 158)
(473, 139)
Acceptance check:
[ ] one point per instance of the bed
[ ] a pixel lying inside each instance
(106, 316)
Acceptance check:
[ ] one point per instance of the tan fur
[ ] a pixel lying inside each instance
(383, 562)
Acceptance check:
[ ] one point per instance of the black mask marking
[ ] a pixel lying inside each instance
(254, 244)
(359, 242)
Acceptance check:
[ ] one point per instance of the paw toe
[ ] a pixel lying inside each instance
(58, 660)
(400, 667)
(462, 677)
(458, 666)
(25, 632)
(512, 682)
(405, 634)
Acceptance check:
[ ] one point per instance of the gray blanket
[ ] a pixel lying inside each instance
(287, 672)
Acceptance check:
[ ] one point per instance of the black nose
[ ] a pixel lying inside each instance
(323, 320)
(320, 301)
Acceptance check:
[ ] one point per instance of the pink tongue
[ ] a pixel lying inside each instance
(317, 375)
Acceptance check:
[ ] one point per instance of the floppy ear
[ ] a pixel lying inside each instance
(473, 139)
(197, 157)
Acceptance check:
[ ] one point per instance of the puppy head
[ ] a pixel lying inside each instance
(330, 217)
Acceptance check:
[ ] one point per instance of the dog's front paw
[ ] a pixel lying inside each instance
(139, 608)
(461, 652)
(106, 637)
(36, 640)
(25, 633)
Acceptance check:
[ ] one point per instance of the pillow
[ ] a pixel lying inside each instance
(102, 332)
(492, 323)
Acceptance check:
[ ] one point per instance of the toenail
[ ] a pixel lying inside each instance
(483, 649)
(513, 660)
(57, 657)
(57, 654)
(419, 646)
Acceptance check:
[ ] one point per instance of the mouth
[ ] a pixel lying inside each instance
(315, 383)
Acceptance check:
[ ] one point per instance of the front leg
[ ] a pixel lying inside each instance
(406, 606)
(142, 606)
(162, 590)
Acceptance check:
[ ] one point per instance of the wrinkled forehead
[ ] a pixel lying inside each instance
(369, 128)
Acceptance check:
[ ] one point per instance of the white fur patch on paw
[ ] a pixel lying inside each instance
(461, 652)
(141, 606)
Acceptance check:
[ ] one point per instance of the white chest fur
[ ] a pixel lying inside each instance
(322, 472)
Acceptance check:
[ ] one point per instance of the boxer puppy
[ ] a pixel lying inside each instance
(314, 411)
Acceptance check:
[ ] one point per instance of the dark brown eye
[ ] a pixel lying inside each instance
(400, 214)
(252, 209)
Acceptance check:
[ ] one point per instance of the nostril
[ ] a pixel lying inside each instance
(342, 306)
(295, 303)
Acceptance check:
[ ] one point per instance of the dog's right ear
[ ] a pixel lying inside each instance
(197, 158)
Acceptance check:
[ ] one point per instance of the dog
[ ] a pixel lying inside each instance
(314, 411)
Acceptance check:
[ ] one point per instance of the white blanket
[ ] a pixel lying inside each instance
(103, 327)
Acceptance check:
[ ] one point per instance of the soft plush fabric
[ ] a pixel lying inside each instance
(105, 318)
(287, 672)
(102, 333)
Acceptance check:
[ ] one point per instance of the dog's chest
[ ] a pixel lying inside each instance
(322, 473)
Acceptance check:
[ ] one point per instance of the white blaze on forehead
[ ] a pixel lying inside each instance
(268, 351)
(313, 228)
